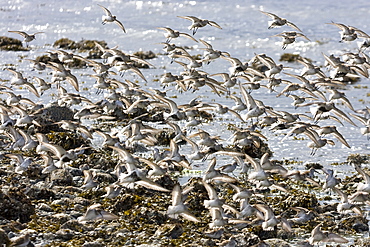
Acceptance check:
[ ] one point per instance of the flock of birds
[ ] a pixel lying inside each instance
(307, 90)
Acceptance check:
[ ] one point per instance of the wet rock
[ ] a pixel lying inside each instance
(306, 200)
(75, 226)
(36, 193)
(262, 234)
(145, 54)
(358, 159)
(209, 242)
(165, 181)
(92, 244)
(64, 234)
(65, 43)
(45, 207)
(277, 242)
(4, 240)
(246, 239)
(357, 223)
(104, 178)
(81, 46)
(290, 57)
(15, 205)
(51, 114)
(360, 227)
(81, 201)
(61, 218)
(61, 177)
(10, 44)
(170, 230)
(125, 203)
(363, 242)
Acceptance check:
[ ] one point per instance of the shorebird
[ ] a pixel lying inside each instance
(363, 187)
(49, 165)
(254, 110)
(216, 234)
(60, 152)
(317, 143)
(113, 190)
(155, 170)
(258, 174)
(289, 38)
(134, 174)
(22, 163)
(16, 138)
(229, 81)
(212, 174)
(310, 68)
(178, 207)
(345, 205)
(175, 112)
(231, 242)
(319, 236)
(60, 73)
(89, 181)
(108, 17)
(176, 157)
(342, 69)
(273, 68)
(322, 109)
(29, 143)
(122, 67)
(236, 65)
(37, 64)
(330, 181)
(301, 128)
(335, 94)
(173, 34)
(17, 78)
(94, 212)
(214, 201)
(349, 33)
(27, 37)
(197, 153)
(241, 193)
(332, 129)
(197, 23)
(218, 219)
(366, 122)
(42, 85)
(278, 22)
(270, 221)
(303, 215)
(239, 104)
(211, 54)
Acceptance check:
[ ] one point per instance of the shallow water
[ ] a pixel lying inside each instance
(244, 34)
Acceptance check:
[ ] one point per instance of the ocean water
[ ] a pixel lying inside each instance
(244, 33)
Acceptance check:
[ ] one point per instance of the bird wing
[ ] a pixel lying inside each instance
(214, 24)
(293, 26)
(120, 25)
(24, 34)
(107, 12)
